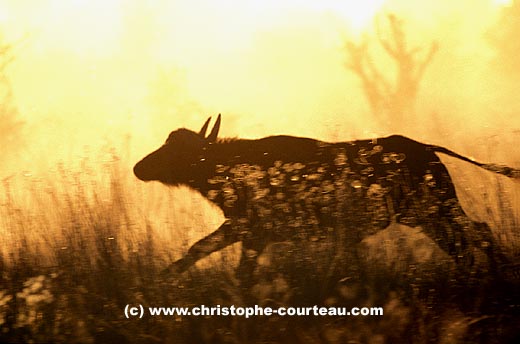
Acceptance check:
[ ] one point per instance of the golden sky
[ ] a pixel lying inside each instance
(91, 72)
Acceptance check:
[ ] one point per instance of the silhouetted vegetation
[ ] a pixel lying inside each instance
(391, 98)
(78, 250)
(78, 245)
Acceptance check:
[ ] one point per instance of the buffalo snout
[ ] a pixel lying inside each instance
(141, 172)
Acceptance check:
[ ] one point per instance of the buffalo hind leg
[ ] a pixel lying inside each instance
(478, 235)
(459, 237)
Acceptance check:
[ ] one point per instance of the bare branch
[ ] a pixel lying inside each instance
(384, 43)
(377, 77)
(422, 67)
(396, 27)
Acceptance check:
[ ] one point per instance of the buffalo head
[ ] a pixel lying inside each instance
(180, 160)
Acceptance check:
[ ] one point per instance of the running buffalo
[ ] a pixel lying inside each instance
(285, 188)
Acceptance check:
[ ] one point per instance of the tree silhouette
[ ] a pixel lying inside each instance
(392, 102)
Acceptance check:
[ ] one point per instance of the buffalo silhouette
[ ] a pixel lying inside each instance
(285, 188)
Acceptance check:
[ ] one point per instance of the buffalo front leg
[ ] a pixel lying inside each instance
(219, 239)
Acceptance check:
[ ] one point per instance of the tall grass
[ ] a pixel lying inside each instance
(76, 249)
(80, 243)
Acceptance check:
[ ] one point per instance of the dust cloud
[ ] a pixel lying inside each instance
(101, 75)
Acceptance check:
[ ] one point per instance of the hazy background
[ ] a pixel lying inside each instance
(114, 74)
(88, 87)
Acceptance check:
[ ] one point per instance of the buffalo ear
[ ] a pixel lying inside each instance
(212, 137)
(202, 132)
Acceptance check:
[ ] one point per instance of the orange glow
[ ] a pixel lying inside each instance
(96, 85)
(92, 72)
